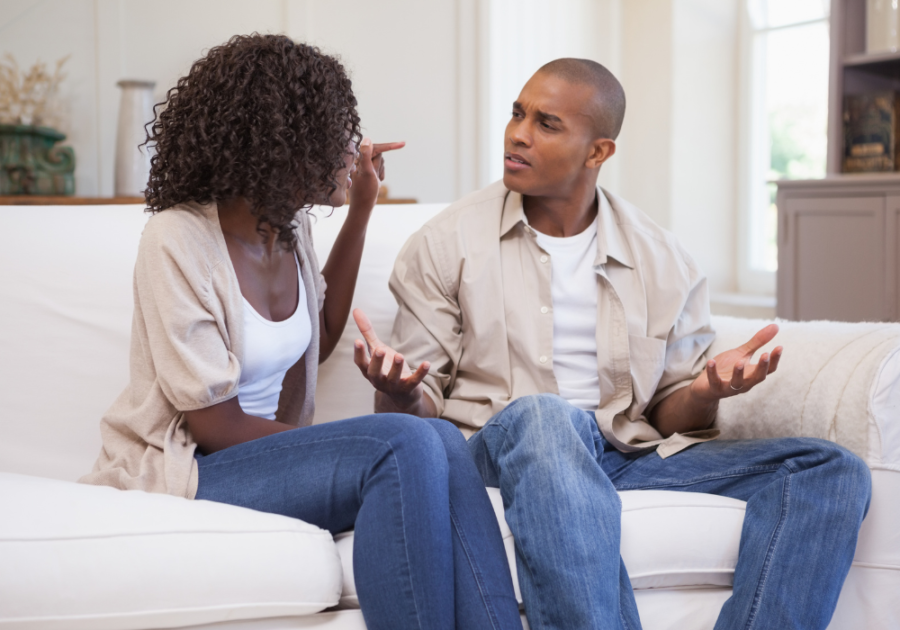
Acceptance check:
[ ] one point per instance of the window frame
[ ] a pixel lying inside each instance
(752, 165)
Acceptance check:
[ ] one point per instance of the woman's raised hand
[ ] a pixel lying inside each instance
(370, 172)
(385, 368)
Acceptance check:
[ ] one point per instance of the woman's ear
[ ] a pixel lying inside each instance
(601, 150)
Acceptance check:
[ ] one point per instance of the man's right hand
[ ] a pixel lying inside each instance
(399, 389)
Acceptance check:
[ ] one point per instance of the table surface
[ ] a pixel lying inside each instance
(46, 200)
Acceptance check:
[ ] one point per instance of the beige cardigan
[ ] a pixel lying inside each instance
(187, 349)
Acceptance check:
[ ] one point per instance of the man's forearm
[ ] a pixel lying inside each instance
(422, 407)
(681, 412)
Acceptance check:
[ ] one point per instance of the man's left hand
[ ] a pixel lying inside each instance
(731, 372)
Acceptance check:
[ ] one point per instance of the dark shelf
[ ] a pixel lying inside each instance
(865, 59)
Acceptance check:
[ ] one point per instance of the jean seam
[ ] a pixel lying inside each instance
(479, 578)
(738, 472)
(403, 520)
(773, 544)
(519, 540)
(285, 447)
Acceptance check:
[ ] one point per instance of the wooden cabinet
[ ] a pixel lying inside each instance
(839, 248)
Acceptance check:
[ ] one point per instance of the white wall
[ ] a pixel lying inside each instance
(679, 142)
(524, 35)
(704, 145)
(401, 55)
(441, 74)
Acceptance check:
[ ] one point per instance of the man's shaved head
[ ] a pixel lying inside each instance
(610, 102)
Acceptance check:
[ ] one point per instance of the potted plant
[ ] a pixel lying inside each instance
(31, 163)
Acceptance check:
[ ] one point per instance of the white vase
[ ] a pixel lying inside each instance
(132, 160)
(882, 26)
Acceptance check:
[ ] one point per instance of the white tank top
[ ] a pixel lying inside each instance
(270, 348)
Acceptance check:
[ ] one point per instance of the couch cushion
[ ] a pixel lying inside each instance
(76, 556)
(669, 540)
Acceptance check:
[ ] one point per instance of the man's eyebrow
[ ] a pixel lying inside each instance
(549, 117)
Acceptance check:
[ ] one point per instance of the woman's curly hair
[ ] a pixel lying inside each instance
(261, 117)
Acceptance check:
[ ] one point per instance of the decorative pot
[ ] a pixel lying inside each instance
(30, 164)
(882, 26)
(132, 160)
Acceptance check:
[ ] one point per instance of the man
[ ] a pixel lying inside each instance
(571, 330)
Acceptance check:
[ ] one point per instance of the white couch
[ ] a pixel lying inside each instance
(74, 556)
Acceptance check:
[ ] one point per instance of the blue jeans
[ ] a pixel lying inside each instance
(806, 499)
(427, 547)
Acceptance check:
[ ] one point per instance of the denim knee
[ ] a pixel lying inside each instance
(544, 413)
(450, 435)
(415, 442)
(849, 470)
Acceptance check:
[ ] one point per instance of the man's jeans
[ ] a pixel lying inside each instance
(806, 499)
(427, 548)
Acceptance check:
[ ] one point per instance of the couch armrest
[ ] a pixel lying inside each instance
(837, 381)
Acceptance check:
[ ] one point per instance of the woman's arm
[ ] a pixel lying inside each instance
(225, 424)
(342, 267)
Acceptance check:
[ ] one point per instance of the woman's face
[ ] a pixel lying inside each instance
(344, 176)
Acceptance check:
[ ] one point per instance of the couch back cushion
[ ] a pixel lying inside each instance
(65, 322)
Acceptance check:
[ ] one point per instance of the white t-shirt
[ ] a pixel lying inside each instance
(573, 287)
(270, 349)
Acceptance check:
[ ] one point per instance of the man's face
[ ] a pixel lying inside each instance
(549, 137)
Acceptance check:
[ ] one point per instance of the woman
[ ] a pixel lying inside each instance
(232, 317)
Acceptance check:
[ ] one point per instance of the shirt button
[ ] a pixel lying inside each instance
(544, 309)
(543, 359)
(545, 258)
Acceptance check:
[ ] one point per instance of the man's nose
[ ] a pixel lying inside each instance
(520, 136)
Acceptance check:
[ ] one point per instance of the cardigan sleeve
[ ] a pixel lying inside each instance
(180, 317)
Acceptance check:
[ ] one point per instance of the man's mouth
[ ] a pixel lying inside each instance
(515, 162)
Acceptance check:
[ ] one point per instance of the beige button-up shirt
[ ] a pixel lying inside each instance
(473, 289)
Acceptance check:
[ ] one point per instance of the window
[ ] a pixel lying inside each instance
(786, 84)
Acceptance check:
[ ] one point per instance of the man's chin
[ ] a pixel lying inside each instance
(515, 183)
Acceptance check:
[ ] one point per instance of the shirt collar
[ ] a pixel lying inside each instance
(611, 241)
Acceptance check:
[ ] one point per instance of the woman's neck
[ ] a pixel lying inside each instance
(240, 224)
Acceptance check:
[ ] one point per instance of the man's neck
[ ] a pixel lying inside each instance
(562, 216)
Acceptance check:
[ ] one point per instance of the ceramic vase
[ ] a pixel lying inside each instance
(133, 160)
(882, 26)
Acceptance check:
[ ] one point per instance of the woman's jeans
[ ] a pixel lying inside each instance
(427, 547)
(806, 500)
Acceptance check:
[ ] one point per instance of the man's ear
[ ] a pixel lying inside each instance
(601, 150)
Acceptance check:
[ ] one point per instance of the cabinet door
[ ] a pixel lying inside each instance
(892, 252)
(832, 258)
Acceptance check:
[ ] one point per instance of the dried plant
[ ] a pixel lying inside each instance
(29, 98)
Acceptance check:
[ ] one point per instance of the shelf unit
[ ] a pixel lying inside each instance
(839, 237)
(852, 70)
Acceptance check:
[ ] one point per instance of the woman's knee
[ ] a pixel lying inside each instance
(415, 442)
(451, 437)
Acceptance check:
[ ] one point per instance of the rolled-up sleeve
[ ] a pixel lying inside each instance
(688, 340)
(185, 337)
(428, 322)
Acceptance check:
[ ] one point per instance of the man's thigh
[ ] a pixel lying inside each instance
(541, 427)
(732, 468)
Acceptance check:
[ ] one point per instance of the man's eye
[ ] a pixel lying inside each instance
(546, 125)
